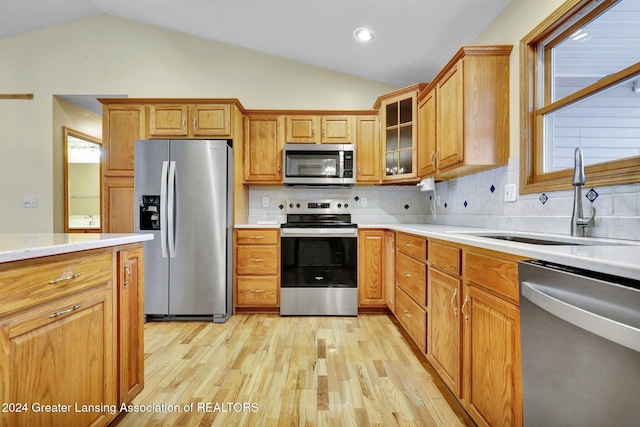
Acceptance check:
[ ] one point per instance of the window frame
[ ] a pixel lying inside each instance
(535, 102)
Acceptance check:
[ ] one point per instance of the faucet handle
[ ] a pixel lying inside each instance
(588, 222)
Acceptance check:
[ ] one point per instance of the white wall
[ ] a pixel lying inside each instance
(108, 55)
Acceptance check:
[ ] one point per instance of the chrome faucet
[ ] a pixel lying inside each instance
(578, 223)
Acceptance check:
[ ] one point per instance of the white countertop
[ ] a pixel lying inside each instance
(19, 246)
(609, 256)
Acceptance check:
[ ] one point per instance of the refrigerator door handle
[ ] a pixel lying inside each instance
(163, 208)
(171, 209)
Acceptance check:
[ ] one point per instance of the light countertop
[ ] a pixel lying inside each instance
(20, 246)
(608, 256)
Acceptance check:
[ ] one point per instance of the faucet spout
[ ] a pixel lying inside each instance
(579, 224)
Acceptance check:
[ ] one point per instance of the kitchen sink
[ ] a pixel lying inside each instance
(550, 240)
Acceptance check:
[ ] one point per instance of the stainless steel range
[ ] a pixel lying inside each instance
(319, 259)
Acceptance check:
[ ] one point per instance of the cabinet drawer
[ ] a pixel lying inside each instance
(410, 276)
(257, 237)
(39, 280)
(257, 291)
(257, 260)
(494, 274)
(446, 258)
(413, 318)
(412, 246)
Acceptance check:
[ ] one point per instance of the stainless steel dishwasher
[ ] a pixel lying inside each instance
(580, 335)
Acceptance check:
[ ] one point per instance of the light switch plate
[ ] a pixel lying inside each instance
(29, 202)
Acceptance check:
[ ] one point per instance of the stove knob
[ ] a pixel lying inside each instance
(340, 205)
(346, 205)
(290, 205)
(297, 205)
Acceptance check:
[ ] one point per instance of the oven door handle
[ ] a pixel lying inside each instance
(319, 232)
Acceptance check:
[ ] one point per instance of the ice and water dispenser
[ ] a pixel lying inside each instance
(149, 212)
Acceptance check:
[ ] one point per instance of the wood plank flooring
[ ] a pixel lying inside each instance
(267, 370)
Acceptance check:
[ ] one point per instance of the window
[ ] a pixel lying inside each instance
(581, 87)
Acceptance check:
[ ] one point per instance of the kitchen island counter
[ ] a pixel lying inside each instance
(21, 246)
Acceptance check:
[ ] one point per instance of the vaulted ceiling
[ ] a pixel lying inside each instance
(414, 38)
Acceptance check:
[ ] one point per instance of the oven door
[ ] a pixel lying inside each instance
(319, 258)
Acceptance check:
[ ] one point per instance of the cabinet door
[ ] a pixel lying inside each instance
(61, 353)
(168, 120)
(117, 204)
(262, 150)
(337, 129)
(211, 120)
(427, 135)
(450, 113)
(130, 323)
(444, 328)
(302, 129)
(493, 389)
(390, 270)
(371, 248)
(399, 138)
(122, 125)
(367, 149)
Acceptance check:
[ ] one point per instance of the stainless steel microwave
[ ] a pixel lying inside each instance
(319, 164)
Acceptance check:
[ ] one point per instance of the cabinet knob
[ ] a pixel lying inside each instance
(407, 274)
(406, 313)
(257, 259)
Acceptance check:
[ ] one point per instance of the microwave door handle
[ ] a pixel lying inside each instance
(341, 173)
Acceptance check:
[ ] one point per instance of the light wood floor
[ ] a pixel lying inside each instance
(267, 370)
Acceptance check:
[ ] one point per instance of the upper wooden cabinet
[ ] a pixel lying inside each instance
(316, 129)
(367, 149)
(182, 120)
(399, 122)
(468, 130)
(262, 150)
(121, 126)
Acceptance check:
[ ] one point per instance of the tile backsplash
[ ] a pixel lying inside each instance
(475, 200)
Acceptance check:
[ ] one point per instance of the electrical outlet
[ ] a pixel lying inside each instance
(364, 202)
(29, 202)
(265, 202)
(510, 193)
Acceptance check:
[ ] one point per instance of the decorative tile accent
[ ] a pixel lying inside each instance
(407, 206)
(592, 195)
(465, 203)
(356, 198)
(543, 198)
(493, 188)
(281, 206)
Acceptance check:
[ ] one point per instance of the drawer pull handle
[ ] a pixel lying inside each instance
(257, 237)
(64, 279)
(257, 291)
(60, 313)
(407, 244)
(406, 313)
(257, 259)
(455, 310)
(407, 274)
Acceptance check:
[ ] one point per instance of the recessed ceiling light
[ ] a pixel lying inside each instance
(364, 35)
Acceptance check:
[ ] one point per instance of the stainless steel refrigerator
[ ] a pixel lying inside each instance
(183, 193)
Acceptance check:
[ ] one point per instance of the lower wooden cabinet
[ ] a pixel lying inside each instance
(257, 269)
(492, 374)
(71, 337)
(371, 263)
(413, 318)
(390, 270)
(445, 328)
(130, 323)
(62, 354)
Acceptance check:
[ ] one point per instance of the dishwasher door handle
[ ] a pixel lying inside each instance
(612, 330)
